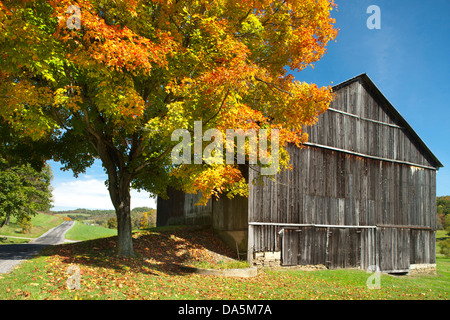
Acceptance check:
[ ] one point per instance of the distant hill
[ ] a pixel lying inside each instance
(101, 217)
(83, 211)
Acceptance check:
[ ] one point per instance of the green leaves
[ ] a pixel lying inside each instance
(134, 71)
(24, 177)
(24, 191)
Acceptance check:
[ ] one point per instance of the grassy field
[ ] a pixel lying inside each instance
(81, 231)
(44, 222)
(41, 224)
(155, 274)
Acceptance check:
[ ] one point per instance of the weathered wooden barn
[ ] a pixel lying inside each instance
(362, 194)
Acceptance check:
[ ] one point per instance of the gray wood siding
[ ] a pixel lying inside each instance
(358, 122)
(361, 192)
(334, 188)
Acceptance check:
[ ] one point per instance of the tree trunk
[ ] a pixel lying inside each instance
(123, 213)
(119, 184)
(125, 240)
(6, 221)
(119, 191)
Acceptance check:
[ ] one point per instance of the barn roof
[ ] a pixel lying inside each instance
(401, 121)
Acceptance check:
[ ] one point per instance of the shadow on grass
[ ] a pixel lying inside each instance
(166, 250)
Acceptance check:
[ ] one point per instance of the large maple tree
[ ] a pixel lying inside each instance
(111, 80)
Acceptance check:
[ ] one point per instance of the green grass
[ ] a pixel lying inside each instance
(40, 280)
(152, 275)
(83, 232)
(9, 240)
(41, 224)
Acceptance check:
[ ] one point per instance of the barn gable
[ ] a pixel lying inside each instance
(362, 121)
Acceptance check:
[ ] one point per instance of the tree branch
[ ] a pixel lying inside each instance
(220, 108)
(274, 86)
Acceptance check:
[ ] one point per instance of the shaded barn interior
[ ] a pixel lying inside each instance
(228, 217)
(362, 193)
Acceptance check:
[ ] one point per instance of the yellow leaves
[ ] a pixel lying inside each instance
(214, 180)
(69, 97)
(252, 25)
(22, 105)
(295, 33)
(119, 101)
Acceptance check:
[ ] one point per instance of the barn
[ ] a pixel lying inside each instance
(361, 194)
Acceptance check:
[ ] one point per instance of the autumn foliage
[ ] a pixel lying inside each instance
(117, 87)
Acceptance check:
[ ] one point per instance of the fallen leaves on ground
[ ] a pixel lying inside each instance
(158, 261)
(155, 273)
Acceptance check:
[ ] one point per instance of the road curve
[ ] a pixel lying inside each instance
(13, 254)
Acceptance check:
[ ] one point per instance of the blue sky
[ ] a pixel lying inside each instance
(407, 59)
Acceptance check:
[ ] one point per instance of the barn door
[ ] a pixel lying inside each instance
(304, 246)
(344, 248)
(332, 247)
(393, 249)
(289, 247)
(312, 246)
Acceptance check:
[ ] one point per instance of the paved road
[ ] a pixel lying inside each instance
(13, 254)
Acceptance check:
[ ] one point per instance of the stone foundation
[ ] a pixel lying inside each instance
(267, 259)
(422, 268)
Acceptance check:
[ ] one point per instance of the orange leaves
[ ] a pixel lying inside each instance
(134, 71)
(124, 50)
(230, 68)
(241, 116)
(214, 180)
(117, 47)
(306, 103)
(296, 32)
(151, 275)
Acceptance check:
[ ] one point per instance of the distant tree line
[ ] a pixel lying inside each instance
(443, 215)
(141, 217)
(443, 212)
(84, 211)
